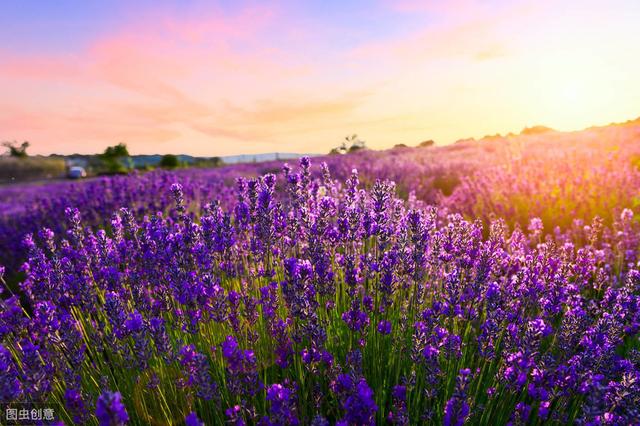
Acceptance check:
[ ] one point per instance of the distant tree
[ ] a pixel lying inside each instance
(116, 159)
(400, 145)
(169, 161)
(116, 151)
(426, 144)
(17, 151)
(356, 143)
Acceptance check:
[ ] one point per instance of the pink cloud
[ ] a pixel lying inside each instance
(41, 67)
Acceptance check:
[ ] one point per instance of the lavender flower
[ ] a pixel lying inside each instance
(456, 409)
(384, 327)
(110, 410)
(10, 386)
(197, 368)
(283, 405)
(192, 420)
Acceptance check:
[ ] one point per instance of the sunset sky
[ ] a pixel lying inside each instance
(226, 78)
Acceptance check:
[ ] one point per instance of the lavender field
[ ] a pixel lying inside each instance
(487, 282)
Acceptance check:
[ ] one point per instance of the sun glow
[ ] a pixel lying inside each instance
(571, 95)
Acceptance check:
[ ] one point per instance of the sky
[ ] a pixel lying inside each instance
(223, 78)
